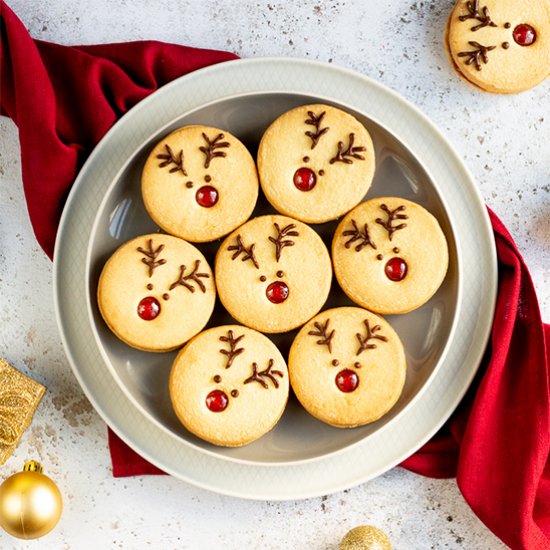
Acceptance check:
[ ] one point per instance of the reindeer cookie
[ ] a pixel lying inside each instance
(347, 367)
(390, 255)
(500, 46)
(229, 385)
(199, 183)
(155, 292)
(273, 273)
(315, 162)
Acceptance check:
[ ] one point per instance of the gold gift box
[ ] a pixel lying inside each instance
(19, 397)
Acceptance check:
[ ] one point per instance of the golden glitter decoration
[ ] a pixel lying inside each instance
(30, 503)
(365, 537)
(19, 397)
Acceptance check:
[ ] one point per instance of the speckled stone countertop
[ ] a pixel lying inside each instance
(503, 140)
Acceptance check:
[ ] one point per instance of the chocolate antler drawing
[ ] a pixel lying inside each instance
(315, 120)
(478, 55)
(210, 151)
(371, 334)
(473, 13)
(151, 256)
(280, 241)
(266, 373)
(392, 216)
(193, 276)
(346, 155)
(322, 332)
(233, 349)
(361, 235)
(170, 158)
(240, 248)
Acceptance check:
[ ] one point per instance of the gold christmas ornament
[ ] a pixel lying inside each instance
(365, 537)
(19, 397)
(30, 503)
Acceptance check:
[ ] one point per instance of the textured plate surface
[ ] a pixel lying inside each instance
(143, 376)
(402, 434)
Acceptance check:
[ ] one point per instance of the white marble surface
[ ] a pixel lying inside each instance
(504, 141)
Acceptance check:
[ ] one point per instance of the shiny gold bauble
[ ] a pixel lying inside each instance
(365, 537)
(30, 503)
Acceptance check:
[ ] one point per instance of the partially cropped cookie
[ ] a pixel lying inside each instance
(199, 183)
(156, 292)
(229, 385)
(390, 255)
(315, 163)
(347, 367)
(273, 273)
(500, 46)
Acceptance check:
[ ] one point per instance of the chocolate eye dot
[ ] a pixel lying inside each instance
(280, 274)
(306, 159)
(189, 184)
(507, 25)
(234, 393)
(321, 172)
(166, 296)
(396, 250)
(506, 45)
(357, 365)
(207, 178)
(149, 286)
(379, 257)
(263, 278)
(335, 362)
(217, 378)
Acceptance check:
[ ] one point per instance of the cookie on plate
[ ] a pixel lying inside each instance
(229, 385)
(273, 273)
(347, 367)
(155, 292)
(500, 46)
(390, 255)
(199, 183)
(315, 162)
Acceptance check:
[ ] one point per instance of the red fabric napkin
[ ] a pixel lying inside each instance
(63, 99)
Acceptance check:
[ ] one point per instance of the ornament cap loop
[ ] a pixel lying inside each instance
(32, 466)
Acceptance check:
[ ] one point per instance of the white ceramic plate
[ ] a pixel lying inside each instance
(103, 209)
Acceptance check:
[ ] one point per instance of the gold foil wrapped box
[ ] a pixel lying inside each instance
(19, 397)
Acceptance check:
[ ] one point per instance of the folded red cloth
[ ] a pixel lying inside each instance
(63, 99)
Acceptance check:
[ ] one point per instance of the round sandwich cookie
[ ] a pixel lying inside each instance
(273, 273)
(199, 183)
(155, 292)
(500, 46)
(315, 163)
(229, 385)
(347, 367)
(390, 255)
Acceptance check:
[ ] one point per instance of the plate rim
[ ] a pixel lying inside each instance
(336, 70)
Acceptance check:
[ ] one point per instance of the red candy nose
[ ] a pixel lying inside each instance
(207, 196)
(396, 269)
(347, 381)
(305, 179)
(277, 292)
(217, 401)
(148, 308)
(524, 35)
